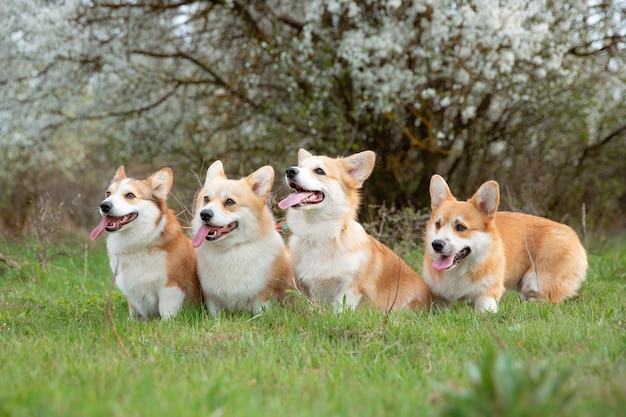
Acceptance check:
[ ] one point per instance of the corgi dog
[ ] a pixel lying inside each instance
(152, 259)
(334, 259)
(475, 253)
(242, 259)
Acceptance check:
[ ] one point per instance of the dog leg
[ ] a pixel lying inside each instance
(171, 300)
(214, 309)
(486, 304)
(134, 313)
(529, 286)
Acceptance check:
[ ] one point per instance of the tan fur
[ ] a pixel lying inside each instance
(551, 249)
(335, 260)
(282, 279)
(541, 259)
(388, 281)
(181, 260)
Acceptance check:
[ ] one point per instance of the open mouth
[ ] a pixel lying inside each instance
(450, 261)
(211, 232)
(301, 197)
(111, 224)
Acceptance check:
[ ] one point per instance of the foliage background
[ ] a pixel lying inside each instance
(528, 93)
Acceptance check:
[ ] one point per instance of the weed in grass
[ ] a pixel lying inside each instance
(501, 386)
(400, 229)
(43, 230)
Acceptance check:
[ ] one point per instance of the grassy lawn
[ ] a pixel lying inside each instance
(59, 355)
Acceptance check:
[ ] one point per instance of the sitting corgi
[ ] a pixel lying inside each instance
(475, 253)
(152, 259)
(335, 260)
(242, 259)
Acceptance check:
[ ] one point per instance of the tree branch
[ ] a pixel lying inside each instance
(587, 150)
(137, 110)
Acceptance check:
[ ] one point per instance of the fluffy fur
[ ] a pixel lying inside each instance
(335, 260)
(152, 259)
(475, 253)
(242, 260)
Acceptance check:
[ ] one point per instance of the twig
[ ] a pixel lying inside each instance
(584, 221)
(85, 261)
(382, 221)
(393, 303)
(395, 297)
(108, 317)
(533, 264)
(8, 261)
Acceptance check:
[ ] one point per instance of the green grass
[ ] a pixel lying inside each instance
(59, 356)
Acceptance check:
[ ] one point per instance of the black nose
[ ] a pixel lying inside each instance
(106, 206)
(291, 172)
(438, 245)
(206, 215)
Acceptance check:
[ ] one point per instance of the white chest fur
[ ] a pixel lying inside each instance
(455, 285)
(232, 279)
(328, 266)
(140, 276)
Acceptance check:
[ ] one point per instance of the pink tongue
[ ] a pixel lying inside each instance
(200, 235)
(293, 199)
(99, 228)
(443, 262)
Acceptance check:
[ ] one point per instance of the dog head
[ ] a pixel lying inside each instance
(460, 232)
(323, 183)
(130, 202)
(231, 210)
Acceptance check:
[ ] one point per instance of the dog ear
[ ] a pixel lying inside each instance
(303, 154)
(360, 165)
(261, 181)
(215, 170)
(439, 191)
(161, 182)
(120, 173)
(487, 199)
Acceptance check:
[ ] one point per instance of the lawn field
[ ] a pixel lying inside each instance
(61, 356)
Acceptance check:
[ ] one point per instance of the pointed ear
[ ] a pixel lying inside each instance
(360, 165)
(303, 154)
(215, 170)
(161, 182)
(439, 191)
(487, 199)
(261, 181)
(120, 173)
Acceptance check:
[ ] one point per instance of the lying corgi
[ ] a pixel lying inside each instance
(475, 253)
(242, 260)
(152, 259)
(335, 260)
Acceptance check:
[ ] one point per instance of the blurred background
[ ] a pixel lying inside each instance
(529, 93)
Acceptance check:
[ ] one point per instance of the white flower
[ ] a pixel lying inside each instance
(428, 93)
(468, 113)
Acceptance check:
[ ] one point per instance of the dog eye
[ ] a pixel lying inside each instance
(319, 171)
(229, 202)
(108, 194)
(130, 196)
(437, 225)
(206, 198)
(460, 228)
